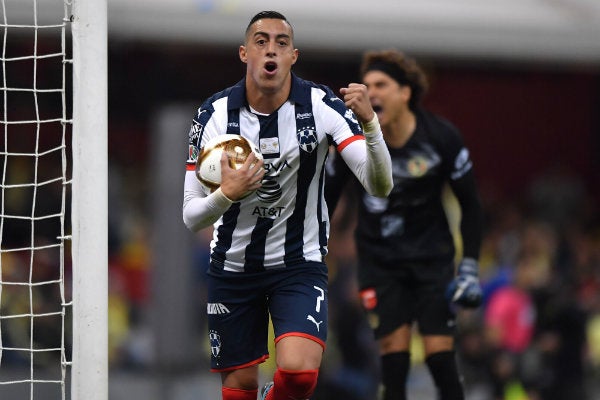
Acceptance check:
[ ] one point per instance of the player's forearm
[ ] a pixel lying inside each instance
(371, 164)
(471, 224)
(200, 212)
(471, 232)
(379, 163)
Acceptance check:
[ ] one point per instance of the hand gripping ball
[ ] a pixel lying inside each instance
(208, 164)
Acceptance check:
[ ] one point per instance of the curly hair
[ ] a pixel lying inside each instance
(402, 68)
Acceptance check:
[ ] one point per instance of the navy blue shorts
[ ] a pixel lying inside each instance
(239, 305)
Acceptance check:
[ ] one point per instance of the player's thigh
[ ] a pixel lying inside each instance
(437, 343)
(389, 304)
(435, 315)
(237, 321)
(298, 303)
(396, 341)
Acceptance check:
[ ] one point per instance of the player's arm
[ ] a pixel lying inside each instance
(471, 223)
(465, 289)
(200, 210)
(375, 170)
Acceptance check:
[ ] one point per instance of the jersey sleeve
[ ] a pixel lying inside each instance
(459, 169)
(471, 222)
(367, 157)
(199, 122)
(201, 209)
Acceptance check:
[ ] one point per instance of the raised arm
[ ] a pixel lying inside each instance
(375, 170)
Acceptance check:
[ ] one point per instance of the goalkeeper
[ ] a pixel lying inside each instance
(406, 251)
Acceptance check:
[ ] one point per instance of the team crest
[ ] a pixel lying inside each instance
(417, 166)
(307, 139)
(215, 343)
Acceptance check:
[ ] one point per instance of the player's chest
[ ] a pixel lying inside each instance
(283, 135)
(414, 168)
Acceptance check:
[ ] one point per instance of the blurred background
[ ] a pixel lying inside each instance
(521, 80)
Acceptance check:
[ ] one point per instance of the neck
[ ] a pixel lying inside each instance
(397, 132)
(267, 100)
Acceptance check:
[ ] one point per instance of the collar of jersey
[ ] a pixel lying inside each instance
(300, 93)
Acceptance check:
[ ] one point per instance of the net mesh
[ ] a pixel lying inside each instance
(35, 301)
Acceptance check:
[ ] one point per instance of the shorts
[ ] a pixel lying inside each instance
(396, 295)
(239, 305)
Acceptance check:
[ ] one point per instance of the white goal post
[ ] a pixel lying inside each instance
(90, 201)
(53, 200)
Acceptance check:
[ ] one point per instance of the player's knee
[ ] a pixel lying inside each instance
(238, 394)
(243, 378)
(297, 384)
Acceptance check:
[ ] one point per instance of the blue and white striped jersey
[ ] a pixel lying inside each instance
(286, 220)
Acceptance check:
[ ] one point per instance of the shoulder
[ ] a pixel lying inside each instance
(236, 93)
(440, 130)
(436, 123)
(321, 98)
(304, 91)
(308, 85)
(219, 102)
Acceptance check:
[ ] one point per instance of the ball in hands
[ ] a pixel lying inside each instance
(208, 164)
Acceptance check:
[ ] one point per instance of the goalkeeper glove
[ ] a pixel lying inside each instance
(465, 289)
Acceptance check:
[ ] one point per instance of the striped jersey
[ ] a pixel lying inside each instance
(286, 220)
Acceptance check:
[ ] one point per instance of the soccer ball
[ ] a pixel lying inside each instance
(208, 164)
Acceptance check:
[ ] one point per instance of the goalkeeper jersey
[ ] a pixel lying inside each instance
(411, 225)
(286, 220)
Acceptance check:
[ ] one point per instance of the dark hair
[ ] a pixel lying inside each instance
(403, 69)
(268, 15)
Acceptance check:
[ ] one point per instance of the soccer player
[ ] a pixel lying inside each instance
(267, 249)
(406, 272)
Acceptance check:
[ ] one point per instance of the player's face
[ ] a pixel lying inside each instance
(269, 54)
(388, 98)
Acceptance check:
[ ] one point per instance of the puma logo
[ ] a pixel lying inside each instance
(314, 321)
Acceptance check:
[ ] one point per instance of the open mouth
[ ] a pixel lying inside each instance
(377, 108)
(271, 66)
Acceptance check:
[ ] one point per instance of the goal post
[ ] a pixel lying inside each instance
(89, 375)
(53, 200)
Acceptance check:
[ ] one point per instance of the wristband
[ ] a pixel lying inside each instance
(221, 199)
(372, 131)
(372, 126)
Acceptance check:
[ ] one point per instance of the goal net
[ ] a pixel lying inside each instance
(52, 249)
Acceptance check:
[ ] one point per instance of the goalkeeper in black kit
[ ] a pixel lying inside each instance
(406, 268)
